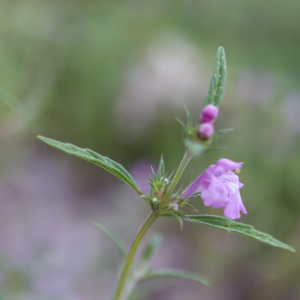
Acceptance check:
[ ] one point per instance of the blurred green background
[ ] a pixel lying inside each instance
(112, 76)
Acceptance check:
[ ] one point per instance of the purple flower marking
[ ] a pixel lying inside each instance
(219, 187)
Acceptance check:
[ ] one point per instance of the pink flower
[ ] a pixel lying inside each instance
(219, 187)
(206, 130)
(175, 206)
(209, 114)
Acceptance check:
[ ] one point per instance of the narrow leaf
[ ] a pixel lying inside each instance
(114, 237)
(93, 157)
(151, 247)
(238, 228)
(161, 168)
(193, 196)
(154, 177)
(145, 197)
(191, 206)
(183, 126)
(173, 215)
(149, 201)
(189, 119)
(217, 82)
(218, 135)
(176, 274)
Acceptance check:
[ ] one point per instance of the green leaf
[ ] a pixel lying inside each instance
(191, 206)
(154, 177)
(217, 82)
(93, 157)
(149, 201)
(183, 126)
(176, 274)
(114, 237)
(189, 119)
(151, 247)
(147, 198)
(238, 228)
(161, 168)
(175, 216)
(190, 130)
(218, 134)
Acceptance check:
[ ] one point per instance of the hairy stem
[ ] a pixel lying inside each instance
(131, 254)
(183, 164)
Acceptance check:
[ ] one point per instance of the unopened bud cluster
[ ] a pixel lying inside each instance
(207, 118)
(159, 187)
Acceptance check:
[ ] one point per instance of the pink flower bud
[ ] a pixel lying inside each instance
(206, 130)
(166, 181)
(175, 206)
(209, 114)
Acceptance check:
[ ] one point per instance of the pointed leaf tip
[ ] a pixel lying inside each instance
(217, 82)
(221, 49)
(238, 228)
(174, 273)
(189, 119)
(175, 216)
(150, 248)
(113, 236)
(95, 158)
(161, 168)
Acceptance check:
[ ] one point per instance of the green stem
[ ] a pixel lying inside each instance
(131, 254)
(183, 164)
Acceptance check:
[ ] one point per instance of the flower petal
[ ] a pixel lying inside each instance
(228, 177)
(201, 183)
(219, 187)
(234, 206)
(224, 165)
(216, 195)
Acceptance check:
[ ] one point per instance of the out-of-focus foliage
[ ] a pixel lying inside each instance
(112, 76)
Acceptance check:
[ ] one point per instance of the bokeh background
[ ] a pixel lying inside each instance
(112, 76)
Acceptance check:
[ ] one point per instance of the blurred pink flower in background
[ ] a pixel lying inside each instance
(256, 86)
(141, 172)
(46, 233)
(291, 109)
(167, 76)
